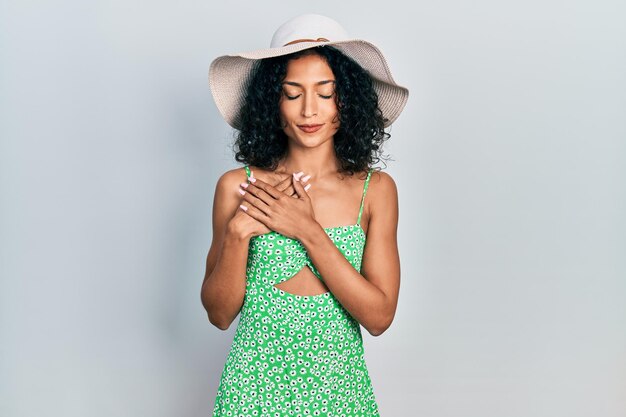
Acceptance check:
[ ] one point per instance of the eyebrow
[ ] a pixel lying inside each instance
(300, 85)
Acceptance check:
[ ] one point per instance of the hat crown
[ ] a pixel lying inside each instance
(309, 27)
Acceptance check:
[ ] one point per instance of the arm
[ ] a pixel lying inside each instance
(371, 297)
(224, 284)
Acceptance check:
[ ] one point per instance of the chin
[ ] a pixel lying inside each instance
(316, 139)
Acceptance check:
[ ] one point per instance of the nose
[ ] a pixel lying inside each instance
(309, 106)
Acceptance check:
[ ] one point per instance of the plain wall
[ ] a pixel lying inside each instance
(509, 160)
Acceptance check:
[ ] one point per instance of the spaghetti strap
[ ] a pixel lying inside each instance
(367, 180)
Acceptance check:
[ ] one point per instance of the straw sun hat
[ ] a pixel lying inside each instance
(229, 74)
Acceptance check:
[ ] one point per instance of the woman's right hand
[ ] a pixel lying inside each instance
(247, 226)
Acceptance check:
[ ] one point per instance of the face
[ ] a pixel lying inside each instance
(307, 105)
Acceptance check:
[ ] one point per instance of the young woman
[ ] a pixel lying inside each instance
(297, 247)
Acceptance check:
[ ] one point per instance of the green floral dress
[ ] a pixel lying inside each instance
(296, 355)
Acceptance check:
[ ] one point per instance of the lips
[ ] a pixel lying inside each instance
(310, 128)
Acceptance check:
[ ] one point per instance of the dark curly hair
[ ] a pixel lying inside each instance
(261, 140)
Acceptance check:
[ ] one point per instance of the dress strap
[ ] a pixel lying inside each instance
(247, 168)
(367, 181)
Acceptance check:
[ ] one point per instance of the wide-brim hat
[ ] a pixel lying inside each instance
(229, 74)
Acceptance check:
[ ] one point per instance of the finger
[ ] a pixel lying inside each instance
(254, 213)
(255, 202)
(297, 185)
(259, 193)
(290, 192)
(284, 184)
(264, 191)
(288, 188)
(303, 180)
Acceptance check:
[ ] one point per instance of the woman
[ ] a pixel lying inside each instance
(289, 230)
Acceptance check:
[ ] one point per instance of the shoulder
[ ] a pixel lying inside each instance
(228, 183)
(382, 185)
(382, 194)
(232, 178)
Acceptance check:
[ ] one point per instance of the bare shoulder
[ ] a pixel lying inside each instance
(383, 196)
(231, 178)
(226, 199)
(382, 185)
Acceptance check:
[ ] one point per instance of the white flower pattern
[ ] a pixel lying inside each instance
(295, 355)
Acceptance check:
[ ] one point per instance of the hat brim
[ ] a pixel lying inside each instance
(229, 76)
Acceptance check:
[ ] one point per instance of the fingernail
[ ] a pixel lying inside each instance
(244, 184)
(307, 187)
(244, 208)
(242, 192)
(305, 179)
(298, 175)
(251, 179)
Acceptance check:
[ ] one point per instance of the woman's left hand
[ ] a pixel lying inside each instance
(287, 215)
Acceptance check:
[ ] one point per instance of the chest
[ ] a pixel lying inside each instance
(275, 250)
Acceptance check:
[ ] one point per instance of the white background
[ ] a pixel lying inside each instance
(510, 164)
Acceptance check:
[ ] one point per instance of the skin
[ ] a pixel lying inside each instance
(276, 200)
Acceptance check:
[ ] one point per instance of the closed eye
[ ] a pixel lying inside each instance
(295, 97)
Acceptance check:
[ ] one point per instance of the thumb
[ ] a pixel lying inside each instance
(297, 185)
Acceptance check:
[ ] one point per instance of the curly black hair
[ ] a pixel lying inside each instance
(261, 141)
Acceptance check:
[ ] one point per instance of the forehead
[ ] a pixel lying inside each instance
(308, 69)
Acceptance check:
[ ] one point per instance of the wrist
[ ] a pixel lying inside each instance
(233, 234)
(311, 233)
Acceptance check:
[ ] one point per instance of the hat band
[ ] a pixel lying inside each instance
(307, 40)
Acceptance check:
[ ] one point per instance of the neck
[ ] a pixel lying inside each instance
(318, 162)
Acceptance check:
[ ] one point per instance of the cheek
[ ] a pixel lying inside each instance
(331, 109)
(286, 111)
(335, 117)
(286, 118)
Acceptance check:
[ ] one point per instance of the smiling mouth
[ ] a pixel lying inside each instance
(310, 128)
